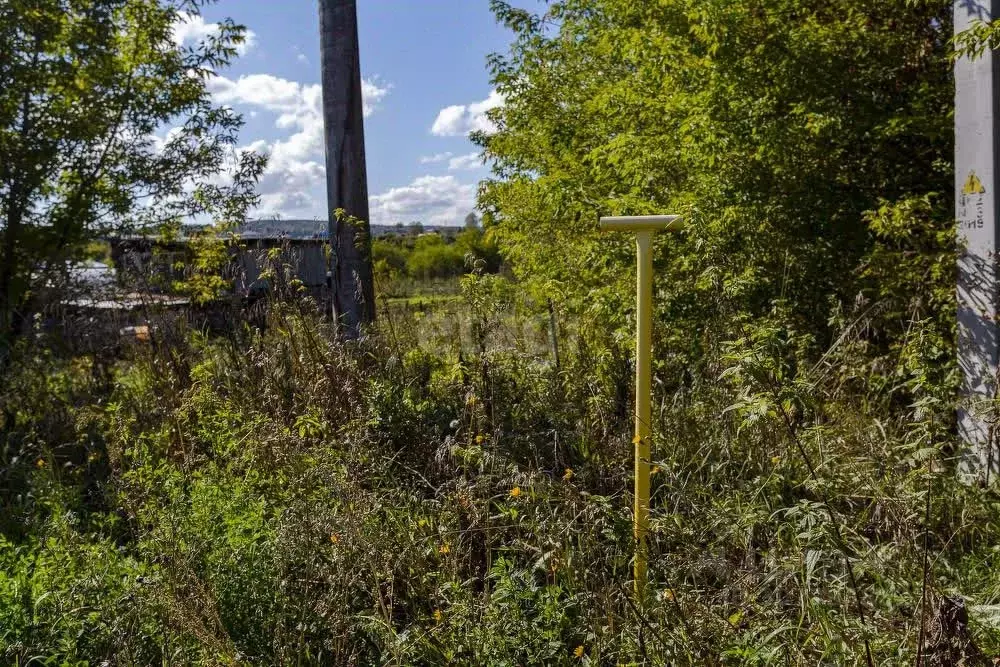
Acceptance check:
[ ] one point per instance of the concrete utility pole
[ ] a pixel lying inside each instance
(977, 84)
(350, 282)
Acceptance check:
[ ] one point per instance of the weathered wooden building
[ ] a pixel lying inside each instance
(154, 265)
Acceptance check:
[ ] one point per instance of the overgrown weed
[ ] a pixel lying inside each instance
(276, 497)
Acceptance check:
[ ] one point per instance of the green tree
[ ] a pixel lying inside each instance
(809, 146)
(432, 257)
(391, 252)
(85, 86)
(480, 247)
(783, 130)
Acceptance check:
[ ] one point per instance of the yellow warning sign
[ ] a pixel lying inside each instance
(973, 186)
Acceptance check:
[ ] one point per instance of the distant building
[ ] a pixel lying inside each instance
(149, 264)
(317, 229)
(281, 229)
(153, 265)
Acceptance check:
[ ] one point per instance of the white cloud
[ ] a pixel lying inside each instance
(462, 162)
(295, 168)
(461, 119)
(288, 185)
(372, 94)
(435, 200)
(190, 29)
(159, 143)
(431, 159)
(289, 98)
(264, 90)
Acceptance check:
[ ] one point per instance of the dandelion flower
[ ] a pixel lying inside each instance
(775, 460)
(568, 475)
(515, 492)
(334, 538)
(40, 463)
(578, 651)
(438, 616)
(444, 548)
(480, 438)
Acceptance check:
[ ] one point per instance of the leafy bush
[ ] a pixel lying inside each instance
(281, 498)
(433, 258)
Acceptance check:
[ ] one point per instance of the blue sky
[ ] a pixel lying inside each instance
(426, 87)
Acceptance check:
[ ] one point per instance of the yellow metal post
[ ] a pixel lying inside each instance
(643, 399)
(643, 227)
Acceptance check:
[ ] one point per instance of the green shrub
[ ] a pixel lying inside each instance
(286, 499)
(432, 257)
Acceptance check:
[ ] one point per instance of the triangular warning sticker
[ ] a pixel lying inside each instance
(973, 186)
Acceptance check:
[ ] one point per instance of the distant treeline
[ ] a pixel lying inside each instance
(425, 256)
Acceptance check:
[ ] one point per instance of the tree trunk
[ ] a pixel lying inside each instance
(351, 280)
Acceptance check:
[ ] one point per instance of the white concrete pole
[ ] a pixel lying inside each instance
(976, 181)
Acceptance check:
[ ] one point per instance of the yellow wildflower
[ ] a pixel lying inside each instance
(515, 492)
(578, 651)
(40, 463)
(444, 548)
(668, 595)
(480, 438)
(775, 460)
(438, 616)
(568, 475)
(334, 537)
(655, 470)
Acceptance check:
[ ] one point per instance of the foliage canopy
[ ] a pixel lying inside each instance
(788, 133)
(86, 87)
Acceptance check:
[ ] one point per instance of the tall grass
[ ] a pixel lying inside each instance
(276, 497)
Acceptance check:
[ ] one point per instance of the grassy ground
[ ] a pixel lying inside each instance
(440, 318)
(443, 493)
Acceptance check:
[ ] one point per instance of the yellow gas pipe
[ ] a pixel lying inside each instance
(644, 227)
